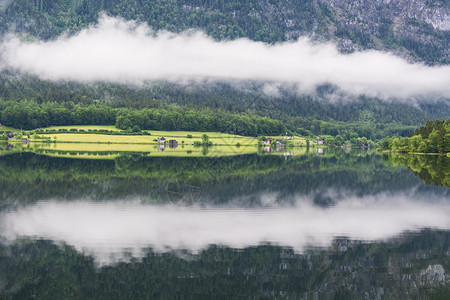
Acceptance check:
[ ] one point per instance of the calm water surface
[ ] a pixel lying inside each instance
(333, 226)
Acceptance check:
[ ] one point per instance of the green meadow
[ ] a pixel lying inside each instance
(215, 138)
(186, 137)
(6, 128)
(93, 144)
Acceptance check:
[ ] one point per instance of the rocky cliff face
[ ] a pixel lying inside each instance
(423, 21)
(364, 12)
(417, 30)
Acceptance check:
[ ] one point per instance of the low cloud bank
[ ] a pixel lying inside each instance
(107, 231)
(121, 51)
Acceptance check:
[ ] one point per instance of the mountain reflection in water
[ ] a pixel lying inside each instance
(340, 225)
(107, 230)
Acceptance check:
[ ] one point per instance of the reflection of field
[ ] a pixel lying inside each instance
(104, 151)
(93, 147)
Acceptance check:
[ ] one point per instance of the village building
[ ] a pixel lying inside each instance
(320, 141)
(346, 145)
(161, 139)
(363, 143)
(268, 141)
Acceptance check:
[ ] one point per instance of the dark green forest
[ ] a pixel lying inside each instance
(434, 137)
(214, 180)
(30, 103)
(247, 273)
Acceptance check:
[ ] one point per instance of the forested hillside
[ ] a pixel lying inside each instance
(418, 32)
(32, 103)
(431, 138)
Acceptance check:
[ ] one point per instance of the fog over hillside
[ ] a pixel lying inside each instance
(120, 51)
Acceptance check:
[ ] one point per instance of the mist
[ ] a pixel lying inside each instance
(119, 51)
(110, 232)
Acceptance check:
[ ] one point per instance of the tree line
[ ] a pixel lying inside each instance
(32, 103)
(31, 115)
(434, 137)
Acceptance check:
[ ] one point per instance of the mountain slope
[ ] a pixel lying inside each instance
(417, 30)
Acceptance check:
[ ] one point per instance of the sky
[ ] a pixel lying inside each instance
(119, 51)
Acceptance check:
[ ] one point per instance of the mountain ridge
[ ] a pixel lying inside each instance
(418, 31)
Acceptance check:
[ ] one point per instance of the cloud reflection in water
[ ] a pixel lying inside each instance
(110, 231)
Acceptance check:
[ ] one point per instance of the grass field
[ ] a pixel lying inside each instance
(90, 143)
(297, 140)
(92, 147)
(145, 139)
(214, 137)
(6, 128)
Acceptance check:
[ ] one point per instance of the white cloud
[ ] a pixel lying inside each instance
(107, 231)
(124, 52)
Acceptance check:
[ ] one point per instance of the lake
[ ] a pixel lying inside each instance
(306, 225)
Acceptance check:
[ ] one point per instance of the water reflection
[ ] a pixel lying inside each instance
(110, 231)
(337, 225)
(27, 178)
